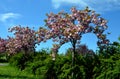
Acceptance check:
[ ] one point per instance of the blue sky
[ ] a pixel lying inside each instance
(33, 12)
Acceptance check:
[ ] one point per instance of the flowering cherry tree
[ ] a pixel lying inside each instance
(24, 40)
(64, 27)
(3, 43)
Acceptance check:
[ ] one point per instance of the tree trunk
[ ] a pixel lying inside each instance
(73, 56)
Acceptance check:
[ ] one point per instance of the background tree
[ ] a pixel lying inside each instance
(64, 27)
(82, 49)
(24, 40)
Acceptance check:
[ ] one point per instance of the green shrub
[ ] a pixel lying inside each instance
(38, 66)
(20, 60)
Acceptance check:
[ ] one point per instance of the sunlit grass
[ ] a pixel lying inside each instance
(8, 72)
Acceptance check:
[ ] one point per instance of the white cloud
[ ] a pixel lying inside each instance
(8, 16)
(9, 20)
(58, 3)
(99, 5)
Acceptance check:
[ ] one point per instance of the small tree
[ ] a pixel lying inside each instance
(24, 40)
(55, 50)
(64, 27)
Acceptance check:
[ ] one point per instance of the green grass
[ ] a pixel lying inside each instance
(8, 72)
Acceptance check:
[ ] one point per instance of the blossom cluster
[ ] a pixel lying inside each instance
(42, 35)
(65, 27)
(3, 43)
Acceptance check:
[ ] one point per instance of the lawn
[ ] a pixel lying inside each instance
(8, 72)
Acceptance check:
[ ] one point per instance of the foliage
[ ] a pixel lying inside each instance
(19, 60)
(101, 65)
(109, 62)
(38, 65)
